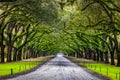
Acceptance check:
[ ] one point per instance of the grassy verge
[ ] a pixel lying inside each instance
(16, 67)
(111, 71)
(107, 70)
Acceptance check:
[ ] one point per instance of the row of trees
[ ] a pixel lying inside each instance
(19, 26)
(96, 29)
(107, 27)
(81, 28)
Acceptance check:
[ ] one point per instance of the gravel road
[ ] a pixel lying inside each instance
(59, 68)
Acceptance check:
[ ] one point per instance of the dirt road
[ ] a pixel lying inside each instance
(59, 68)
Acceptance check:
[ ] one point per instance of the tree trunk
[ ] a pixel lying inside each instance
(15, 55)
(112, 58)
(19, 55)
(9, 48)
(27, 54)
(78, 55)
(2, 46)
(24, 51)
(89, 54)
(94, 56)
(85, 55)
(98, 55)
(106, 57)
(118, 59)
(117, 49)
(9, 58)
(2, 53)
(101, 56)
(81, 54)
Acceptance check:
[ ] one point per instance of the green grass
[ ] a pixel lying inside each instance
(111, 71)
(16, 67)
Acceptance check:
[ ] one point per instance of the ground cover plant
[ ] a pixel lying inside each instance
(16, 67)
(112, 72)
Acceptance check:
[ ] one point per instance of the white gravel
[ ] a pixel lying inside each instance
(59, 68)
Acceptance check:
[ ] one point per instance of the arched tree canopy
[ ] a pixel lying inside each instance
(82, 28)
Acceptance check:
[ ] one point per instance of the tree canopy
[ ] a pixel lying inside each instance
(81, 28)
